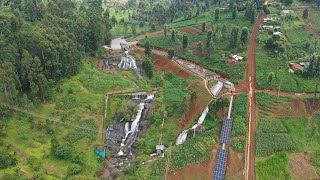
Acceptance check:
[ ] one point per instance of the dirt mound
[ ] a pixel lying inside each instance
(300, 166)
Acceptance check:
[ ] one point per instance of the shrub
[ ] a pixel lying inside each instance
(170, 53)
(238, 145)
(6, 158)
(74, 169)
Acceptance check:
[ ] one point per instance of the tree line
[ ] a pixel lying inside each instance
(42, 42)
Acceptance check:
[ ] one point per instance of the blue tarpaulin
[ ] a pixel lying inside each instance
(101, 153)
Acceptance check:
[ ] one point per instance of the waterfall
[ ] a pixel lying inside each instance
(183, 136)
(201, 118)
(127, 62)
(135, 123)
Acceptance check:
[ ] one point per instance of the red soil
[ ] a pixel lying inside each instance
(196, 171)
(163, 63)
(251, 79)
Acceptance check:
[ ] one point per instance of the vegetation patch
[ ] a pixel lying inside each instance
(275, 167)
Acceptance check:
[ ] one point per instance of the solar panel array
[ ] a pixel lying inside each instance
(221, 163)
(226, 131)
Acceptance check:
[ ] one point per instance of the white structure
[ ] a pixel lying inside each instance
(217, 88)
(277, 34)
(267, 27)
(285, 12)
(236, 58)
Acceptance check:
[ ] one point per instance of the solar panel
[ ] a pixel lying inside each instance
(221, 163)
(226, 131)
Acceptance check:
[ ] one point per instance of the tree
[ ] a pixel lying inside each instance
(173, 35)
(235, 12)
(251, 12)
(6, 159)
(153, 27)
(305, 13)
(165, 30)
(231, 5)
(170, 53)
(114, 20)
(234, 37)
(203, 27)
(271, 76)
(133, 28)
(216, 14)
(125, 26)
(184, 41)
(147, 49)
(147, 66)
(224, 32)
(244, 36)
(200, 47)
(209, 38)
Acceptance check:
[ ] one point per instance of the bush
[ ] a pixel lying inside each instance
(6, 158)
(238, 145)
(74, 169)
(171, 53)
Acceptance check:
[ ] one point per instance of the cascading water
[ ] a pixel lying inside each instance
(183, 136)
(135, 123)
(201, 118)
(127, 62)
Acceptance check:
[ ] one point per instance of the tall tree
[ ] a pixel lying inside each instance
(217, 14)
(209, 38)
(184, 41)
(173, 35)
(147, 49)
(203, 27)
(234, 37)
(235, 12)
(305, 13)
(148, 67)
(244, 36)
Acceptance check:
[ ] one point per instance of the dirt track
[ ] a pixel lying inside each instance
(251, 81)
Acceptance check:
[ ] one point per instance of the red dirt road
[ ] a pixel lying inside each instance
(251, 80)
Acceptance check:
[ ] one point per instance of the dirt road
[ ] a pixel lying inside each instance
(251, 81)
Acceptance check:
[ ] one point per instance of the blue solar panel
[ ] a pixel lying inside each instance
(221, 163)
(226, 131)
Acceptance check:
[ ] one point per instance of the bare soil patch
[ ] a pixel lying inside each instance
(197, 171)
(292, 109)
(53, 169)
(235, 165)
(312, 105)
(300, 166)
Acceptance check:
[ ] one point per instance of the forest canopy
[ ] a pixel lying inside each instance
(42, 42)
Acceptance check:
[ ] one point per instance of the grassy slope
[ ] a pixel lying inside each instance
(87, 89)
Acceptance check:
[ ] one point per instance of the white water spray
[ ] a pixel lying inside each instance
(183, 136)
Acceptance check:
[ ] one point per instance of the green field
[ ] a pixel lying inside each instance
(275, 167)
